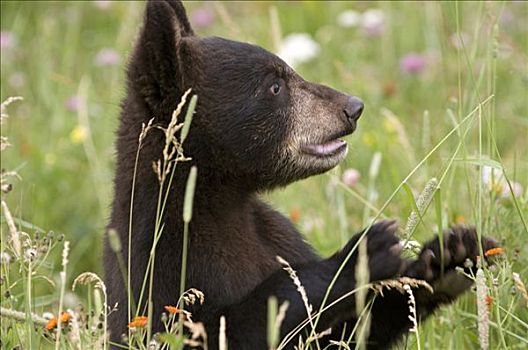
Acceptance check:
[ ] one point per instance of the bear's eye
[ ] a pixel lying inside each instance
(275, 88)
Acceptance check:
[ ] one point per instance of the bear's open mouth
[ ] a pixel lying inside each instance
(330, 147)
(327, 149)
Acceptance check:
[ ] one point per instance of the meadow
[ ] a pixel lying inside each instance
(444, 135)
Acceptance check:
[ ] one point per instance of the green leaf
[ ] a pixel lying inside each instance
(482, 162)
(174, 341)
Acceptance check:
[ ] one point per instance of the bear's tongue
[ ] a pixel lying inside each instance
(326, 149)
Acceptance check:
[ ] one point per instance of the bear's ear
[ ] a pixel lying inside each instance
(155, 70)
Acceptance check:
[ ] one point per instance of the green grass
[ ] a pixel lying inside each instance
(65, 157)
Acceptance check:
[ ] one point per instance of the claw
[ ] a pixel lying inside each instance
(428, 256)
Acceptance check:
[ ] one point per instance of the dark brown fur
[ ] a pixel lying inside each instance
(244, 139)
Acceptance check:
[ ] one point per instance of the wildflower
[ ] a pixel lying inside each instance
(494, 251)
(495, 181)
(349, 18)
(202, 17)
(138, 322)
(65, 317)
(516, 190)
(460, 219)
(372, 22)
(107, 57)
(7, 39)
(172, 309)
(489, 302)
(351, 177)
(52, 322)
(413, 63)
(295, 214)
(78, 134)
(30, 254)
(73, 103)
(5, 258)
(102, 4)
(298, 48)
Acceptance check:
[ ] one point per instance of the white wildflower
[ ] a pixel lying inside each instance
(48, 315)
(5, 258)
(492, 178)
(517, 190)
(494, 181)
(349, 18)
(372, 22)
(30, 254)
(298, 48)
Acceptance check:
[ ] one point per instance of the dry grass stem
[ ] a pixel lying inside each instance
(293, 275)
(519, 285)
(173, 149)
(191, 296)
(399, 284)
(15, 239)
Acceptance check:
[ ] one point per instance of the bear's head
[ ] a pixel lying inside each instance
(258, 124)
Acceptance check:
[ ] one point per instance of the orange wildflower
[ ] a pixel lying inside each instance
(489, 301)
(172, 309)
(138, 322)
(52, 323)
(494, 251)
(295, 214)
(460, 219)
(65, 317)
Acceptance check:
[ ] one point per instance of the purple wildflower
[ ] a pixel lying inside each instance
(107, 57)
(102, 4)
(7, 39)
(413, 63)
(72, 103)
(202, 17)
(351, 177)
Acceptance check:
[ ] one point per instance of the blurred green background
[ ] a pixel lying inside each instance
(418, 66)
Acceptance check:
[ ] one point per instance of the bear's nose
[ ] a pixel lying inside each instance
(353, 109)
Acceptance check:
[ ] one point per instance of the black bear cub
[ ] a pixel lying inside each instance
(257, 125)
